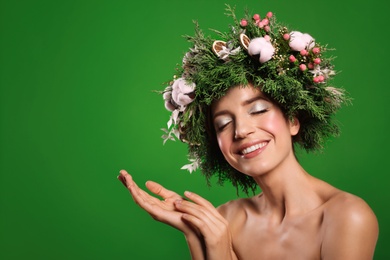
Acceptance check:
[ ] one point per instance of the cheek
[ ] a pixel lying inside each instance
(223, 142)
(274, 123)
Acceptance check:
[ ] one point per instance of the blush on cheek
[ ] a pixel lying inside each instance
(274, 122)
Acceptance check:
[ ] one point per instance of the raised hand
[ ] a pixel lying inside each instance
(161, 210)
(206, 231)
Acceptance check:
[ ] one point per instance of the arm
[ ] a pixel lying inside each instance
(164, 211)
(351, 231)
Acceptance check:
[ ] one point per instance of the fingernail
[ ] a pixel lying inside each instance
(187, 193)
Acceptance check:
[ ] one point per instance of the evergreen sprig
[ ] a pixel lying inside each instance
(282, 80)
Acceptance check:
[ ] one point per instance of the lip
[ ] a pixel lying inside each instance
(252, 153)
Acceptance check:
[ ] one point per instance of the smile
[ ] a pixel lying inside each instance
(253, 148)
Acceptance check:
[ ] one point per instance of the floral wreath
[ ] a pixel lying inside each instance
(288, 66)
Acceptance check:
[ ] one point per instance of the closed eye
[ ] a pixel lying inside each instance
(259, 111)
(221, 123)
(259, 107)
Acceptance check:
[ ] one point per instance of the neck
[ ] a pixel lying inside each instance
(288, 178)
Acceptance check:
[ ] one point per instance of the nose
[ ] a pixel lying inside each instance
(243, 128)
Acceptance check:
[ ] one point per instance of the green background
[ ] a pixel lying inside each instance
(77, 105)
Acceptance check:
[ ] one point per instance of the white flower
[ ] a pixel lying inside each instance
(227, 51)
(182, 92)
(167, 96)
(192, 166)
(169, 134)
(300, 41)
(263, 47)
(178, 95)
(317, 71)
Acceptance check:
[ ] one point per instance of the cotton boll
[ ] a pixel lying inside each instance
(263, 47)
(266, 53)
(181, 90)
(255, 46)
(300, 41)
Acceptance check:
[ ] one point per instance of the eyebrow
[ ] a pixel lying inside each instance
(244, 103)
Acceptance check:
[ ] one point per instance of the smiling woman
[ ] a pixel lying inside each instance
(241, 104)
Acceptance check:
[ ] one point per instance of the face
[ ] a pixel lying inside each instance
(253, 134)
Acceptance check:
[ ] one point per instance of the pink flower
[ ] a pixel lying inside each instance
(243, 23)
(302, 67)
(300, 41)
(267, 28)
(256, 17)
(310, 65)
(269, 14)
(286, 36)
(292, 58)
(317, 60)
(180, 94)
(265, 21)
(260, 46)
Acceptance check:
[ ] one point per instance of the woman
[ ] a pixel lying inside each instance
(241, 105)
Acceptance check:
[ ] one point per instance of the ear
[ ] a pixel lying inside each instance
(294, 126)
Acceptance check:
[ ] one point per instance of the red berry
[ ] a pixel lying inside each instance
(292, 58)
(304, 52)
(316, 50)
(302, 67)
(243, 23)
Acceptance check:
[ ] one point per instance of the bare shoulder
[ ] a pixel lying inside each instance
(236, 209)
(350, 228)
(344, 206)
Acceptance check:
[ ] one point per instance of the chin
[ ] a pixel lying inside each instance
(253, 169)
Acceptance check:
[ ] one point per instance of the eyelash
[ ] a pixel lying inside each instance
(219, 129)
(259, 111)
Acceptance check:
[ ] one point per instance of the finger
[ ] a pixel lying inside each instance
(125, 178)
(141, 197)
(198, 199)
(205, 214)
(202, 206)
(122, 179)
(198, 224)
(159, 190)
(205, 203)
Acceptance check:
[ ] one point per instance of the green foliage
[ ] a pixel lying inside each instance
(281, 79)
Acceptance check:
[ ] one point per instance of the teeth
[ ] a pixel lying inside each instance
(253, 148)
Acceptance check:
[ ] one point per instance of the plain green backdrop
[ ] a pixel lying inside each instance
(77, 105)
